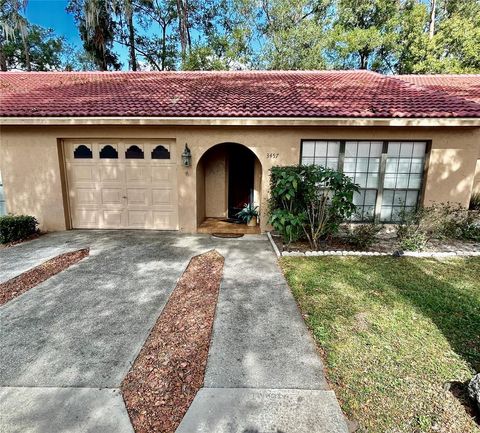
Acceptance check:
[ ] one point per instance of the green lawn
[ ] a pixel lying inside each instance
(393, 331)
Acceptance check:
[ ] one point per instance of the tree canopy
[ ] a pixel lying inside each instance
(389, 36)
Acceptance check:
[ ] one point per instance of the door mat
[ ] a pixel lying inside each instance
(228, 235)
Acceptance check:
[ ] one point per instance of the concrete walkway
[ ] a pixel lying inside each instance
(68, 343)
(263, 374)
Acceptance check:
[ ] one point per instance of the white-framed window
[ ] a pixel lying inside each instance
(403, 178)
(321, 152)
(3, 205)
(362, 163)
(389, 173)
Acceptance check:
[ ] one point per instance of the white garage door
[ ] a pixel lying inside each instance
(122, 184)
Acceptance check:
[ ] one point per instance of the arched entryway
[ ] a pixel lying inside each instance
(228, 176)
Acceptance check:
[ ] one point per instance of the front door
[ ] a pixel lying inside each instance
(240, 178)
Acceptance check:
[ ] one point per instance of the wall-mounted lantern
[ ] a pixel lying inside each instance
(187, 156)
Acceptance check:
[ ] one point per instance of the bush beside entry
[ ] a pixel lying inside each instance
(17, 227)
(309, 200)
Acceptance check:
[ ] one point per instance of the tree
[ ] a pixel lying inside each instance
(160, 50)
(97, 29)
(74, 59)
(389, 36)
(453, 46)
(13, 24)
(124, 9)
(363, 34)
(290, 35)
(224, 39)
(184, 26)
(295, 34)
(45, 50)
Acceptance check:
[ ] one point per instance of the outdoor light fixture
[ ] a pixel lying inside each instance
(187, 156)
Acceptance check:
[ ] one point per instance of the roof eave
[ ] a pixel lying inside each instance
(246, 121)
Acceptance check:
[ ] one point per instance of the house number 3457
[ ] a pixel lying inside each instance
(272, 155)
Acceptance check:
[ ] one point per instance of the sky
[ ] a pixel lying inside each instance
(52, 14)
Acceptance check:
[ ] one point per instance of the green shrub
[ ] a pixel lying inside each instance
(413, 240)
(309, 200)
(363, 236)
(439, 221)
(469, 226)
(16, 227)
(417, 227)
(458, 222)
(475, 201)
(285, 206)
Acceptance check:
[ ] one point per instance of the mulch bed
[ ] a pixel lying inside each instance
(170, 368)
(383, 244)
(20, 284)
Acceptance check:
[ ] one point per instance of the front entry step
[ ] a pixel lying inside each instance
(249, 410)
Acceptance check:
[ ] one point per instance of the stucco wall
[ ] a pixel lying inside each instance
(476, 182)
(215, 163)
(200, 187)
(452, 165)
(31, 173)
(31, 166)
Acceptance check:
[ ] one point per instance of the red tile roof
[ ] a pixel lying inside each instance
(464, 86)
(346, 94)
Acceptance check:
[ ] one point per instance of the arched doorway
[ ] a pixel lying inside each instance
(228, 176)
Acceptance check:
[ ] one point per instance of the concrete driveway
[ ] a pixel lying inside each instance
(68, 343)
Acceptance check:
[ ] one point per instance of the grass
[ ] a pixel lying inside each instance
(394, 333)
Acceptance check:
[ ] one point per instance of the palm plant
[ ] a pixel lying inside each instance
(248, 212)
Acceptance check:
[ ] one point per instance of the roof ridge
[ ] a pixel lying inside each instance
(436, 75)
(250, 71)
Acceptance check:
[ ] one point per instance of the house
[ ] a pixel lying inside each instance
(167, 150)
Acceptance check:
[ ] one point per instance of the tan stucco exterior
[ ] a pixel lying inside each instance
(476, 182)
(31, 162)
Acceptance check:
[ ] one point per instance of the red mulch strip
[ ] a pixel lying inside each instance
(23, 282)
(170, 368)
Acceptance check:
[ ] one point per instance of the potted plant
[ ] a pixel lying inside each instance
(249, 214)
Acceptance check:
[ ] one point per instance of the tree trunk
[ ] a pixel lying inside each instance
(102, 63)
(164, 46)
(3, 59)
(181, 28)
(187, 27)
(363, 60)
(131, 38)
(431, 29)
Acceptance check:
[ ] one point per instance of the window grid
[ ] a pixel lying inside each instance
(385, 201)
(365, 202)
(403, 198)
(329, 158)
(366, 173)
